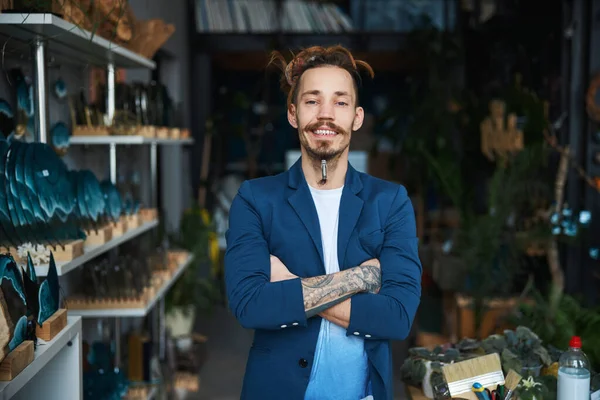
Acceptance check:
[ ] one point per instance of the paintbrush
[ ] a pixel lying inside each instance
(512, 380)
(485, 370)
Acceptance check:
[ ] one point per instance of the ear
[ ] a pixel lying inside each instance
(292, 116)
(358, 118)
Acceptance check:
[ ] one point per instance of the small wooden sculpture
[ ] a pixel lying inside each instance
(499, 138)
(149, 36)
(74, 11)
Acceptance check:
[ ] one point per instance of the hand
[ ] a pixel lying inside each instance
(279, 271)
(372, 275)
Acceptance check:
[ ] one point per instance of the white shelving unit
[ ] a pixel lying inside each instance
(132, 140)
(66, 41)
(91, 252)
(135, 312)
(56, 371)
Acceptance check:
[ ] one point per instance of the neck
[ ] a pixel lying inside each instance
(336, 172)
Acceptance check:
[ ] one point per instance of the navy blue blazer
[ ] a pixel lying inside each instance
(276, 215)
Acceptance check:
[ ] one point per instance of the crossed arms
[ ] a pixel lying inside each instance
(367, 299)
(322, 292)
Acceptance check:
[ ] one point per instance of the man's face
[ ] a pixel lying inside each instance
(325, 112)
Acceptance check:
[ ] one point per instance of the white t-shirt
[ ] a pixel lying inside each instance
(340, 370)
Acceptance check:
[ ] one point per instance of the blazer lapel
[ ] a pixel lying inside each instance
(350, 208)
(302, 202)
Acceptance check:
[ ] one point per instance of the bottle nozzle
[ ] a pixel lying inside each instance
(575, 342)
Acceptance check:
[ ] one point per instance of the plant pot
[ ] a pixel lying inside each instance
(192, 353)
(493, 319)
(180, 321)
(526, 372)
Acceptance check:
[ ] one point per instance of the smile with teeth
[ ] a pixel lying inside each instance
(324, 132)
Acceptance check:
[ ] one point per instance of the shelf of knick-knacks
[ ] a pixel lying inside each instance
(37, 379)
(141, 392)
(93, 250)
(138, 306)
(68, 43)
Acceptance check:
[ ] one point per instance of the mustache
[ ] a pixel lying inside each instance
(328, 124)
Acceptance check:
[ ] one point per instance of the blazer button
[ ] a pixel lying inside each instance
(303, 363)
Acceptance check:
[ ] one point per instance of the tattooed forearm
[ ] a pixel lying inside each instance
(317, 281)
(322, 292)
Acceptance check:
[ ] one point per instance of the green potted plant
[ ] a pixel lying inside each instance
(197, 289)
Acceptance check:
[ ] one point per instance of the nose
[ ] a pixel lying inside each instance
(325, 112)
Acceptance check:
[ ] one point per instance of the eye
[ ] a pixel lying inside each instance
(342, 103)
(311, 102)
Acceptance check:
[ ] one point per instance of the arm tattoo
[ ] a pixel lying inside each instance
(322, 292)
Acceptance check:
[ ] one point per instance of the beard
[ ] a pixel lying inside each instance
(323, 150)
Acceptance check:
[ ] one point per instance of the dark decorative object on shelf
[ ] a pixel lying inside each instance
(42, 202)
(17, 307)
(43, 299)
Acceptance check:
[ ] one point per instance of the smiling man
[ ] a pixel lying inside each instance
(322, 260)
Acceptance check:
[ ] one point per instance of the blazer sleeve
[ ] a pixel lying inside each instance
(256, 302)
(389, 314)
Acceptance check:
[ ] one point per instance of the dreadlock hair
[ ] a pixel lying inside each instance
(313, 57)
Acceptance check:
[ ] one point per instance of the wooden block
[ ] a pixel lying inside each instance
(84, 130)
(133, 221)
(99, 237)
(13, 252)
(119, 227)
(162, 276)
(151, 132)
(137, 393)
(148, 214)
(174, 133)
(16, 361)
(162, 132)
(10, 250)
(52, 326)
(80, 303)
(187, 381)
(68, 252)
(176, 257)
(147, 131)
